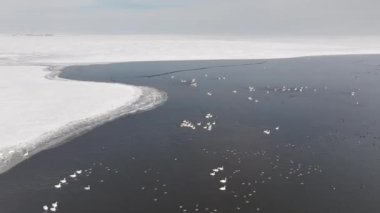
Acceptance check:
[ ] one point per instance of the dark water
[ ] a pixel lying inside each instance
(324, 158)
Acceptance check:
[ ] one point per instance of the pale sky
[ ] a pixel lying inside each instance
(245, 17)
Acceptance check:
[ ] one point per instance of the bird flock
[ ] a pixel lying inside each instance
(76, 176)
(236, 180)
(206, 124)
(281, 169)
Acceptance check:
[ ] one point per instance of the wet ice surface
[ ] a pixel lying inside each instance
(306, 141)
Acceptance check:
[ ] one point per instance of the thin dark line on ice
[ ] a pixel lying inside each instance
(201, 68)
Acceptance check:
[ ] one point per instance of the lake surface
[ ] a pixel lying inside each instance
(322, 154)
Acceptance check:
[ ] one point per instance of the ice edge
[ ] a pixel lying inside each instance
(148, 100)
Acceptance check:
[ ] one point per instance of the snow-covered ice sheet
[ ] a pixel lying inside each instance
(38, 112)
(122, 48)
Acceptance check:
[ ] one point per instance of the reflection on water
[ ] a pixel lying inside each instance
(286, 135)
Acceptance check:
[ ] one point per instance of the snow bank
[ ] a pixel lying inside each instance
(38, 113)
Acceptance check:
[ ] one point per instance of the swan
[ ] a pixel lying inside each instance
(73, 175)
(223, 180)
(212, 173)
(277, 128)
(63, 180)
(58, 186)
(221, 168)
(267, 132)
(79, 172)
(46, 208)
(87, 188)
(223, 188)
(55, 204)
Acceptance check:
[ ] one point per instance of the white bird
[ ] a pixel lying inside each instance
(250, 98)
(234, 91)
(53, 209)
(79, 172)
(26, 154)
(46, 208)
(277, 128)
(63, 180)
(58, 186)
(55, 204)
(73, 175)
(223, 188)
(215, 170)
(267, 132)
(212, 173)
(87, 188)
(221, 168)
(223, 180)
